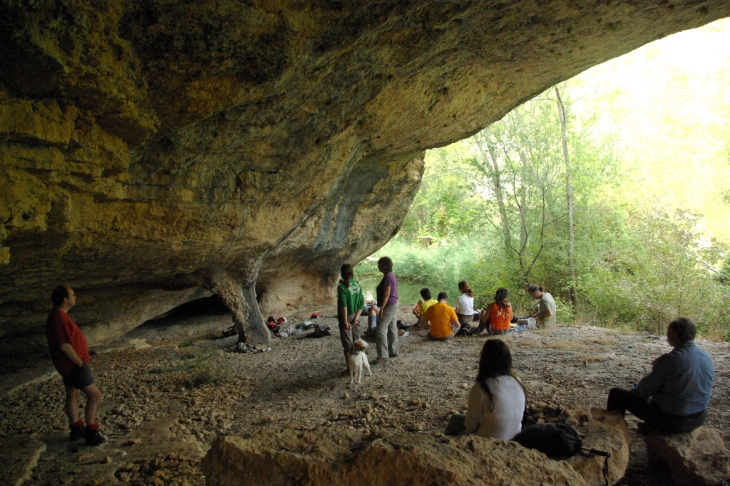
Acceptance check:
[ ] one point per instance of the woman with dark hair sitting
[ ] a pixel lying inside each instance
(497, 399)
(465, 306)
(496, 317)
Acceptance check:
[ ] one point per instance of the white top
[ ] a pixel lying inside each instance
(505, 421)
(465, 305)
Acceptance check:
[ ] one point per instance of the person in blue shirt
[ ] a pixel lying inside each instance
(672, 398)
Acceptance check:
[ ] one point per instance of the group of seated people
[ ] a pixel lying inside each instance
(445, 322)
(673, 398)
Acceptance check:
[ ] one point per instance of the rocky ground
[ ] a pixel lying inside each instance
(164, 404)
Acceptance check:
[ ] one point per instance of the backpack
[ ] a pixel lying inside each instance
(467, 330)
(557, 441)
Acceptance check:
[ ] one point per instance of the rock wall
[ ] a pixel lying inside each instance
(150, 148)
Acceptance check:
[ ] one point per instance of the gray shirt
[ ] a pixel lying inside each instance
(680, 381)
(546, 302)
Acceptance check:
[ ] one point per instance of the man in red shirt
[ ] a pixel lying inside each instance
(70, 356)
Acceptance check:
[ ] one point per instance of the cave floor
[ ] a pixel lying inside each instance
(163, 405)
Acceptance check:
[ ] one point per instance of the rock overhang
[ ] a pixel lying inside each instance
(149, 148)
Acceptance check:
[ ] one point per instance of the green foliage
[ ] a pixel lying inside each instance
(200, 368)
(208, 369)
(492, 210)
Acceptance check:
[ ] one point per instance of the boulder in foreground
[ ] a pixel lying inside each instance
(334, 457)
(695, 458)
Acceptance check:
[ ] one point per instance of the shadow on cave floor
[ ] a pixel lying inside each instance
(206, 317)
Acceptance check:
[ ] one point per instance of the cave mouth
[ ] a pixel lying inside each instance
(207, 316)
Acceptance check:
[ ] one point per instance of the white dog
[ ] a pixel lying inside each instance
(358, 360)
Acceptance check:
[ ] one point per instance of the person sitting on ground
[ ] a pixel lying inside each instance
(273, 326)
(444, 323)
(545, 313)
(465, 306)
(425, 304)
(496, 317)
(673, 398)
(350, 304)
(70, 356)
(497, 399)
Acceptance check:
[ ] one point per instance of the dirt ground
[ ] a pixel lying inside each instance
(163, 405)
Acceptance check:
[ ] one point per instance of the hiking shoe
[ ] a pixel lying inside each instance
(77, 432)
(94, 437)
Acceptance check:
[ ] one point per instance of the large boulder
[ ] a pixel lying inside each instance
(697, 458)
(152, 152)
(600, 430)
(606, 432)
(335, 457)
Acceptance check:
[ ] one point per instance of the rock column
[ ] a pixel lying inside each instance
(239, 295)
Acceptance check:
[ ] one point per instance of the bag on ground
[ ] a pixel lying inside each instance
(557, 441)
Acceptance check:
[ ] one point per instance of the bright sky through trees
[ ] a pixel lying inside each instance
(668, 103)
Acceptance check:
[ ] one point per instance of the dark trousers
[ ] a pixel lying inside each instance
(648, 411)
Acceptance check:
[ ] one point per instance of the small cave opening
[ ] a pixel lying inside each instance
(212, 305)
(207, 316)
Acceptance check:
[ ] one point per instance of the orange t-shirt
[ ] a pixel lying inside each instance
(441, 316)
(499, 319)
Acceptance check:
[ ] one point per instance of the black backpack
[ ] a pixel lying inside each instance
(557, 441)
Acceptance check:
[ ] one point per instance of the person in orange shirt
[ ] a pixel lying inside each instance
(496, 317)
(443, 319)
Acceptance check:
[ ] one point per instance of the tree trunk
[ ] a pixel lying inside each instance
(569, 192)
(498, 193)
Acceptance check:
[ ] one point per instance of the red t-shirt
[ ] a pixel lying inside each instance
(60, 329)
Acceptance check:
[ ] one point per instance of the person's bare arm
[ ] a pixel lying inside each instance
(455, 324)
(356, 318)
(70, 353)
(544, 315)
(342, 316)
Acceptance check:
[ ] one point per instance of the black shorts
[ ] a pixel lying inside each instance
(78, 377)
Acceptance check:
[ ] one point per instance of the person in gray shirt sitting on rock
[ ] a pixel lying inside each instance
(672, 398)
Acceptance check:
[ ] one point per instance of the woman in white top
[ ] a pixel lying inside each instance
(497, 399)
(465, 307)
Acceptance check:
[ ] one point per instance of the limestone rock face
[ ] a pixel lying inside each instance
(606, 432)
(153, 151)
(696, 458)
(332, 457)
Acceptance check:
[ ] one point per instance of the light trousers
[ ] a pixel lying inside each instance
(386, 338)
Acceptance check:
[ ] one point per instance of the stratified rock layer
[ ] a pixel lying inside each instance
(152, 152)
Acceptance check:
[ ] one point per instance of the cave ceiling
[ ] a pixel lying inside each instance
(154, 152)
